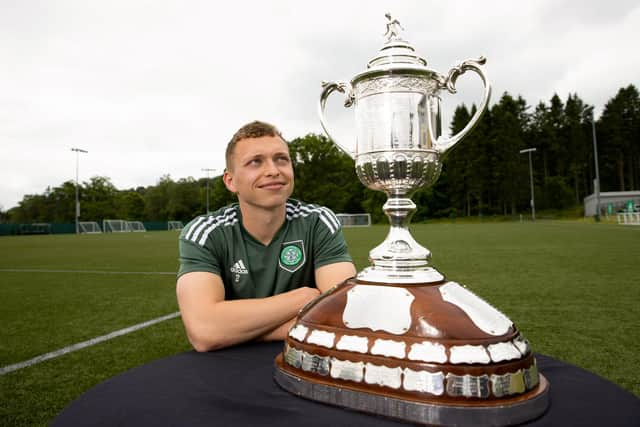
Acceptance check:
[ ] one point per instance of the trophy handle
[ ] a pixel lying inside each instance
(444, 144)
(327, 89)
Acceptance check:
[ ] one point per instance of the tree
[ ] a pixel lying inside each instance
(556, 194)
(507, 136)
(130, 205)
(98, 199)
(578, 142)
(55, 205)
(60, 203)
(184, 199)
(478, 151)
(156, 199)
(619, 140)
(455, 179)
(540, 134)
(325, 175)
(554, 126)
(220, 196)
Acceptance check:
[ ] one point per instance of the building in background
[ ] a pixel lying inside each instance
(612, 202)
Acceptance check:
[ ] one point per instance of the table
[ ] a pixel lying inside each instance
(235, 387)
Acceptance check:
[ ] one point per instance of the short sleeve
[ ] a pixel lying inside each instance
(195, 257)
(330, 246)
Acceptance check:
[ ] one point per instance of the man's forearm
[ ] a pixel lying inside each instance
(236, 321)
(279, 333)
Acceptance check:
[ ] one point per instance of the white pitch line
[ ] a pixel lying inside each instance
(37, 270)
(81, 345)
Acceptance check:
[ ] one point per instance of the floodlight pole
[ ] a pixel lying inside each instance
(207, 170)
(595, 157)
(533, 201)
(596, 184)
(78, 151)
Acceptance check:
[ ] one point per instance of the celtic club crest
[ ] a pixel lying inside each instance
(292, 256)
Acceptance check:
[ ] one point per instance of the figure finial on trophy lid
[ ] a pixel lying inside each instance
(393, 28)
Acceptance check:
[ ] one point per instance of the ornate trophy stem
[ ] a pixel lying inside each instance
(400, 250)
(400, 256)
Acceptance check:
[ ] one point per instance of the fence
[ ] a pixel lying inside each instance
(66, 228)
(629, 218)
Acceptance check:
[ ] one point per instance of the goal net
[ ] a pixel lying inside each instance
(355, 220)
(88, 227)
(136, 226)
(175, 225)
(115, 225)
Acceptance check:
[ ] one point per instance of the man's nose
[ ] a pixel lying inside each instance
(271, 169)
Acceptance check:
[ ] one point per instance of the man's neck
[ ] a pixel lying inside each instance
(262, 224)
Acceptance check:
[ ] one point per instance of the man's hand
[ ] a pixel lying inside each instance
(280, 333)
(327, 277)
(306, 293)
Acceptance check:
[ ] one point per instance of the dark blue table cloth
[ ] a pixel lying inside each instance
(235, 387)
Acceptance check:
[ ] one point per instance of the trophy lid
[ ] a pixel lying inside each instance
(396, 55)
(396, 51)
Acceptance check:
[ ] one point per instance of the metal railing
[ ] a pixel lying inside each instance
(629, 218)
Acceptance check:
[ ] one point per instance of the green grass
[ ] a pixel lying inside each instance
(44, 311)
(571, 287)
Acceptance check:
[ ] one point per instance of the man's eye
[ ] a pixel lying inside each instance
(283, 159)
(254, 162)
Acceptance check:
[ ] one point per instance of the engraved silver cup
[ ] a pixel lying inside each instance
(399, 144)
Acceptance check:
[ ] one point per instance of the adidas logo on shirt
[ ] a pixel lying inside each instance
(238, 268)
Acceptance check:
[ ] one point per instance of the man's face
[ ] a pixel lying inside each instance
(260, 172)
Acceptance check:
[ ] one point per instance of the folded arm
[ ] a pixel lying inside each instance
(326, 278)
(212, 323)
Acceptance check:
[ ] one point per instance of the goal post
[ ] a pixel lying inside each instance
(115, 226)
(89, 227)
(175, 225)
(136, 226)
(354, 220)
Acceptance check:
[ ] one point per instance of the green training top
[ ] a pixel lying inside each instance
(310, 237)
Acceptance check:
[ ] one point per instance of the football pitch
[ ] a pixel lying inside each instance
(572, 288)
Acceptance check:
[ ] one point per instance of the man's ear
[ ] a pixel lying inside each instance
(227, 178)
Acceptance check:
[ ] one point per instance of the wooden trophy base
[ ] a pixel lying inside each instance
(505, 412)
(431, 353)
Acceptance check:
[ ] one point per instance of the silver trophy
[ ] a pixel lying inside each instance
(400, 339)
(399, 144)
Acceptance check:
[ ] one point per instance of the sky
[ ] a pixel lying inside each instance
(155, 88)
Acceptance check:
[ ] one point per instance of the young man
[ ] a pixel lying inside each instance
(247, 269)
